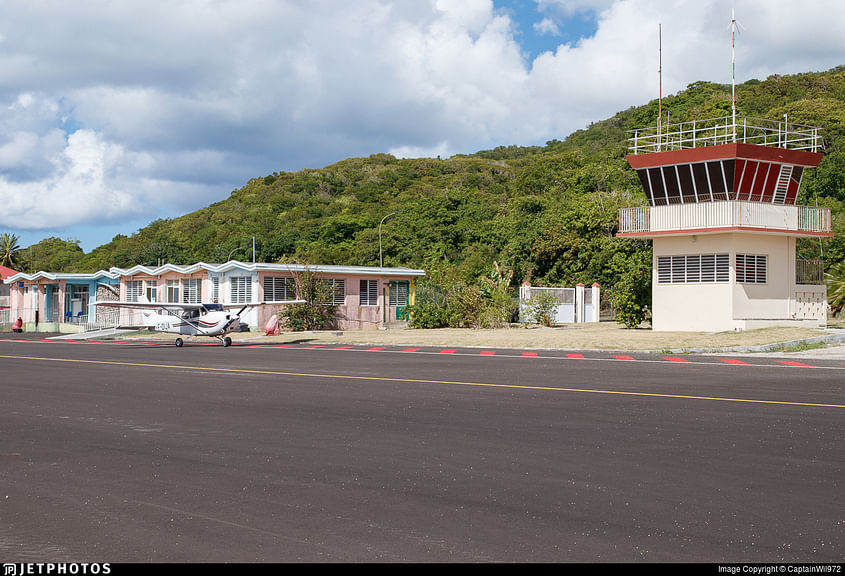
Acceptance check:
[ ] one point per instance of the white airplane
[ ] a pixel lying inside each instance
(214, 320)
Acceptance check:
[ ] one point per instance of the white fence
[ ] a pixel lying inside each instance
(571, 305)
(50, 321)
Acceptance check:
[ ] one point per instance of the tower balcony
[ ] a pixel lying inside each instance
(723, 216)
(724, 130)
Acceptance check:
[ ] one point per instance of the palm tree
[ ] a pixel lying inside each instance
(836, 288)
(8, 249)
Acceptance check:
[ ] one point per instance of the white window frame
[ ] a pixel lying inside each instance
(240, 289)
(368, 293)
(338, 287)
(173, 291)
(693, 269)
(134, 290)
(151, 290)
(395, 294)
(751, 268)
(277, 288)
(215, 289)
(191, 291)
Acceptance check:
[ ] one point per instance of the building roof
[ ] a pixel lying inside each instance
(56, 276)
(265, 267)
(6, 272)
(116, 273)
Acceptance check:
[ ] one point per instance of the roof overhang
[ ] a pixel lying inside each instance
(726, 152)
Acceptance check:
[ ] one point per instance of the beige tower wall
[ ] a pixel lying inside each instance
(728, 306)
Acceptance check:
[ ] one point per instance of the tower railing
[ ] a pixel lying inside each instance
(715, 131)
(725, 214)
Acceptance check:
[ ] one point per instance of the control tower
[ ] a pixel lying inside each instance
(723, 219)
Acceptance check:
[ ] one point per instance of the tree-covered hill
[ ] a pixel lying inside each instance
(547, 213)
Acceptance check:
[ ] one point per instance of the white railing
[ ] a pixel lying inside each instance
(725, 214)
(636, 219)
(713, 131)
(80, 323)
(813, 219)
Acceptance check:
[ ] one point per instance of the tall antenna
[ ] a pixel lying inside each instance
(659, 85)
(733, 72)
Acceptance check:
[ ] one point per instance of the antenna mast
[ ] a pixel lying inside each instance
(733, 72)
(659, 85)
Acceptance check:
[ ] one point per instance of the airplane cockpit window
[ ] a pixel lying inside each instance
(189, 314)
(213, 307)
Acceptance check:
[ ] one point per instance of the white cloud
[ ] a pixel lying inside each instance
(158, 107)
(440, 150)
(546, 26)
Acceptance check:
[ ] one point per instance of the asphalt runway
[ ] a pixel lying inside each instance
(144, 452)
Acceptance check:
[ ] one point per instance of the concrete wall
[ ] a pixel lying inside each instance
(727, 306)
(351, 314)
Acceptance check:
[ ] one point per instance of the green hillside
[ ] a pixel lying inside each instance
(546, 213)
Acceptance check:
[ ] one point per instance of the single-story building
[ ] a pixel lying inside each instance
(60, 302)
(4, 295)
(365, 296)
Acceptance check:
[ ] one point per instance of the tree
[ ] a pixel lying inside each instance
(8, 249)
(836, 288)
(632, 294)
(316, 313)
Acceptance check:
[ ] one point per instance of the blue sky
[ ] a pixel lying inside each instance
(114, 114)
(543, 27)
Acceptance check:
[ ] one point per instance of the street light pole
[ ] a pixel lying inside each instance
(235, 250)
(380, 261)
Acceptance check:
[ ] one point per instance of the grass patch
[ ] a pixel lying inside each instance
(798, 347)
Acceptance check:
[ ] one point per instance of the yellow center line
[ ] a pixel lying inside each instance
(421, 381)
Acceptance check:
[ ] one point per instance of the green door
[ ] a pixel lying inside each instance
(398, 296)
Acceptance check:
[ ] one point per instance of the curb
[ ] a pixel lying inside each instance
(838, 338)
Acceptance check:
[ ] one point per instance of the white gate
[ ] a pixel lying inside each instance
(571, 305)
(563, 312)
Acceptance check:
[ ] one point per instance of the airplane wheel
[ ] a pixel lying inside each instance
(227, 341)
(179, 342)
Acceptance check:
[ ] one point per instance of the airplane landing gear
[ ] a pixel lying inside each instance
(227, 341)
(179, 342)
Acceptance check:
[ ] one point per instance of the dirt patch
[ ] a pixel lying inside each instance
(601, 336)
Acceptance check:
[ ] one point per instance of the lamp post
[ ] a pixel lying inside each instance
(380, 261)
(235, 250)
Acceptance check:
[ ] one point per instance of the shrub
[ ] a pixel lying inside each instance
(541, 308)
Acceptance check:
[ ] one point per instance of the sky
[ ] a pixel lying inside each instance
(113, 114)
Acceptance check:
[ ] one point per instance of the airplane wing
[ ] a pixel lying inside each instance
(265, 303)
(148, 305)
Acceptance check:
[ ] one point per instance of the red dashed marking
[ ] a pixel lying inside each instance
(531, 354)
(376, 349)
(487, 352)
(627, 358)
(674, 359)
(309, 347)
(791, 363)
(410, 349)
(575, 356)
(448, 351)
(284, 346)
(342, 348)
(733, 361)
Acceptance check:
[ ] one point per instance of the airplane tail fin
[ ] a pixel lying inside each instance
(147, 316)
